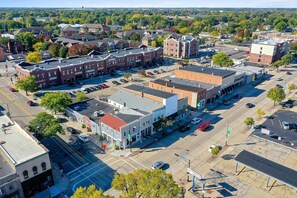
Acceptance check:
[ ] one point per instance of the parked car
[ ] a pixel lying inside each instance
(288, 73)
(279, 86)
(214, 145)
(71, 130)
(150, 73)
(104, 86)
(83, 138)
(285, 125)
(162, 70)
(11, 89)
(279, 79)
(184, 128)
(35, 97)
(157, 165)
(204, 126)
(226, 103)
(156, 72)
(71, 84)
(196, 120)
(293, 126)
(123, 80)
(249, 105)
(135, 69)
(98, 87)
(30, 103)
(120, 72)
(237, 96)
(115, 82)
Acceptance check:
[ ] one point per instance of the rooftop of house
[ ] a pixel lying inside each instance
(150, 91)
(268, 41)
(182, 39)
(209, 71)
(6, 168)
(191, 83)
(54, 63)
(112, 121)
(187, 87)
(135, 102)
(17, 144)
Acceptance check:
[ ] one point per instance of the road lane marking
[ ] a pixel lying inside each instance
(138, 162)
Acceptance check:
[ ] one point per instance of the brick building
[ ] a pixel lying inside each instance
(267, 51)
(63, 71)
(2, 52)
(185, 47)
(275, 35)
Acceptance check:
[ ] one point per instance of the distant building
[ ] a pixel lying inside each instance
(25, 163)
(69, 31)
(186, 47)
(94, 28)
(2, 52)
(267, 51)
(37, 31)
(275, 35)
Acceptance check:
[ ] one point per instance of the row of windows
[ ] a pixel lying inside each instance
(34, 170)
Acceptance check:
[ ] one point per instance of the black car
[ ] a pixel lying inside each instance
(115, 82)
(123, 80)
(98, 87)
(156, 72)
(237, 96)
(184, 128)
(162, 70)
(293, 126)
(249, 105)
(112, 74)
(279, 86)
(71, 130)
(71, 84)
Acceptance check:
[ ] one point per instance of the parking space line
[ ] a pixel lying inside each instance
(138, 162)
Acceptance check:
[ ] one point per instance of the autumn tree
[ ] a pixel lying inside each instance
(78, 49)
(141, 72)
(222, 59)
(45, 125)
(154, 43)
(291, 87)
(89, 192)
(249, 121)
(276, 94)
(38, 46)
(127, 75)
(147, 183)
(27, 84)
(260, 112)
(56, 101)
(34, 57)
(54, 49)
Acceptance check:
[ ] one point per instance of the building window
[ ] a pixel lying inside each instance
(34, 169)
(124, 133)
(43, 166)
(25, 174)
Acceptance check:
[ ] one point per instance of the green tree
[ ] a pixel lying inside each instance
(249, 121)
(27, 84)
(141, 72)
(90, 192)
(147, 183)
(277, 64)
(215, 151)
(281, 26)
(81, 96)
(222, 59)
(63, 51)
(292, 86)
(56, 101)
(45, 125)
(286, 59)
(293, 46)
(214, 33)
(54, 49)
(26, 38)
(127, 75)
(34, 57)
(46, 45)
(260, 112)
(38, 46)
(276, 94)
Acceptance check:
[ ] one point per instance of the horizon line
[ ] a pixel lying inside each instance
(181, 7)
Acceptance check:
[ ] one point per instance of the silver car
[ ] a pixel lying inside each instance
(158, 165)
(286, 125)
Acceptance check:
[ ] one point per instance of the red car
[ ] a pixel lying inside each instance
(104, 86)
(30, 103)
(288, 73)
(11, 89)
(150, 73)
(204, 126)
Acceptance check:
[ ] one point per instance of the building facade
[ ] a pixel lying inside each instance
(63, 71)
(267, 51)
(186, 47)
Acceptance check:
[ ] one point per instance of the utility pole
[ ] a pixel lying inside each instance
(186, 160)
(227, 133)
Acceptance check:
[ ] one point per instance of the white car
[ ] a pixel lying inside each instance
(279, 79)
(83, 138)
(196, 120)
(212, 146)
(157, 165)
(286, 125)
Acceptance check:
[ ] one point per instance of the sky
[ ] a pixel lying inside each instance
(150, 3)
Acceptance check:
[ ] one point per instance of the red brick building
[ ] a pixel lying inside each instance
(2, 52)
(186, 47)
(56, 72)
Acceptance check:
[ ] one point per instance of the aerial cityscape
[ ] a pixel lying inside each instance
(148, 99)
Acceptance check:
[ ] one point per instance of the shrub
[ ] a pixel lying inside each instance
(116, 147)
(215, 151)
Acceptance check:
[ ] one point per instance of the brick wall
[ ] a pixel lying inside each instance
(195, 76)
(264, 59)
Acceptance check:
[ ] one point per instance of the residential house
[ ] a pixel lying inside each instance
(37, 31)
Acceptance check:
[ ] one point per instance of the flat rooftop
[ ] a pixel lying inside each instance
(168, 83)
(150, 91)
(19, 146)
(268, 41)
(209, 71)
(191, 83)
(54, 63)
(274, 124)
(5, 169)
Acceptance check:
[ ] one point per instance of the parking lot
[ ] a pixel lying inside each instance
(274, 130)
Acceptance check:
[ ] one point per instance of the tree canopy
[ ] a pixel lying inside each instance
(90, 192)
(276, 94)
(81, 96)
(249, 121)
(26, 38)
(260, 112)
(45, 125)
(27, 84)
(222, 59)
(34, 57)
(286, 59)
(292, 86)
(38, 46)
(147, 183)
(56, 101)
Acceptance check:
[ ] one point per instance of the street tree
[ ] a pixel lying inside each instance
(27, 84)
(215, 151)
(222, 59)
(277, 64)
(46, 45)
(141, 72)
(291, 87)
(127, 75)
(56, 101)
(38, 46)
(249, 121)
(45, 125)
(276, 94)
(89, 192)
(147, 183)
(34, 57)
(260, 112)
(286, 59)
(81, 96)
